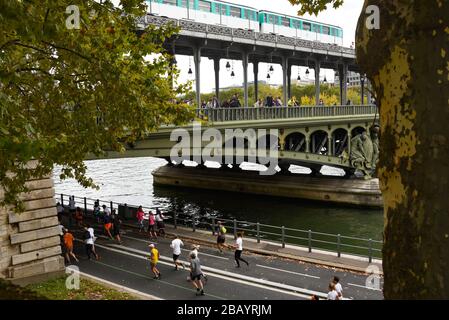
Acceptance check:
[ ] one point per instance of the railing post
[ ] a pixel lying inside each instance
(283, 236)
(175, 217)
(235, 229)
(85, 205)
(338, 245)
(258, 232)
(112, 207)
(310, 241)
(62, 199)
(213, 226)
(370, 251)
(193, 223)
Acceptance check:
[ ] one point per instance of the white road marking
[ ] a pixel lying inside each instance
(269, 285)
(287, 271)
(364, 287)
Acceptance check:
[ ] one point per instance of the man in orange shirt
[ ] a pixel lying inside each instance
(68, 243)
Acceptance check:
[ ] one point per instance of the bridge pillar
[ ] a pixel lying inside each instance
(343, 84)
(317, 81)
(197, 60)
(256, 80)
(329, 144)
(284, 79)
(289, 82)
(308, 144)
(245, 77)
(217, 77)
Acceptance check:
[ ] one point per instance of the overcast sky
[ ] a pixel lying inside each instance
(345, 17)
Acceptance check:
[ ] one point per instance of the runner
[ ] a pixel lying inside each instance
(60, 210)
(239, 249)
(338, 287)
(106, 210)
(154, 258)
(139, 215)
(176, 245)
(79, 217)
(89, 238)
(151, 223)
(195, 274)
(117, 223)
(160, 222)
(107, 224)
(68, 244)
(97, 211)
(221, 237)
(71, 209)
(332, 295)
(195, 252)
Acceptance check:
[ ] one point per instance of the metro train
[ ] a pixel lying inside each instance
(244, 17)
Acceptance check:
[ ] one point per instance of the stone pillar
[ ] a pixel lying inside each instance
(284, 80)
(256, 80)
(317, 81)
(29, 242)
(217, 77)
(307, 144)
(329, 144)
(197, 60)
(245, 78)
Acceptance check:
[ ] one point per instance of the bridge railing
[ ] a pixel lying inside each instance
(281, 235)
(268, 113)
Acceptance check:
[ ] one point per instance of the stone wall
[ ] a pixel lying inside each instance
(29, 241)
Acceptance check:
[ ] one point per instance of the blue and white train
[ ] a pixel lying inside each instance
(239, 16)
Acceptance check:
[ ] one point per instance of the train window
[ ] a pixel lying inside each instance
(326, 30)
(184, 3)
(306, 26)
(271, 19)
(171, 2)
(285, 21)
(250, 15)
(315, 28)
(296, 24)
(236, 12)
(204, 5)
(223, 9)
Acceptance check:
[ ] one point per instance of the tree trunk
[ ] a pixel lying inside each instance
(407, 61)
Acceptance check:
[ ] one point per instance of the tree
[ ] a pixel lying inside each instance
(407, 61)
(68, 90)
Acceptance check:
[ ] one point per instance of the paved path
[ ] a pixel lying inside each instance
(267, 277)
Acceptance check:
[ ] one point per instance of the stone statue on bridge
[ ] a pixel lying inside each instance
(364, 152)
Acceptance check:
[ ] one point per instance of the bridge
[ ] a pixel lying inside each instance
(307, 136)
(218, 42)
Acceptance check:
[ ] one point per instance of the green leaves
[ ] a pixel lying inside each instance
(69, 92)
(315, 6)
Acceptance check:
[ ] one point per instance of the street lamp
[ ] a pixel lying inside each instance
(362, 83)
(228, 66)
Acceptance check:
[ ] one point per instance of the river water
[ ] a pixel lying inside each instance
(130, 181)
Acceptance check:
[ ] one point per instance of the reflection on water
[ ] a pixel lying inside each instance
(130, 181)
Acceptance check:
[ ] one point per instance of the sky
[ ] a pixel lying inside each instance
(345, 17)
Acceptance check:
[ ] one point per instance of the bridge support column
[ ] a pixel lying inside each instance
(308, 144)
(197, 60)
(289, 83)
(329, 144)
(317, 81)
(284, 79)
(256, 80)
(343, 83)
(217, 77)
(245, 77)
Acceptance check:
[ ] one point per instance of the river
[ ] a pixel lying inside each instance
(130, 181)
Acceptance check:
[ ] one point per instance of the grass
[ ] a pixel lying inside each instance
(55, 289)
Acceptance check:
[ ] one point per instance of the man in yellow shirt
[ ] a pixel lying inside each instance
(154, 259)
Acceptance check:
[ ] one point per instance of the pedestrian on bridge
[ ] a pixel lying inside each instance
(239, 249)
(154, 259)
(176, 245)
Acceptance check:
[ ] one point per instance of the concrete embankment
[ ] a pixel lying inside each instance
(323, 188)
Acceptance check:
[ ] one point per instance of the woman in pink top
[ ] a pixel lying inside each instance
(139, 215)
(151, 223)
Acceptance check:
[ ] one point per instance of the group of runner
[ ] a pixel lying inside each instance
(153, 220)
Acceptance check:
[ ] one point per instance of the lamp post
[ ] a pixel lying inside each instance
(362, 83)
